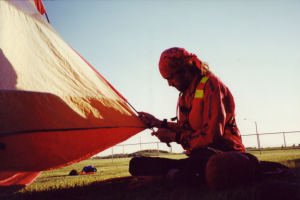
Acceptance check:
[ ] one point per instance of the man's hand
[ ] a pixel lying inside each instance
(165, 135)
(150, 120)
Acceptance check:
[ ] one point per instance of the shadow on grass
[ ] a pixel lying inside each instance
(295, 167)
(157, 190)
(118, 190)
(297, 161)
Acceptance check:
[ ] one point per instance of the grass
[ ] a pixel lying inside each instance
(288, 157)
(56, 184)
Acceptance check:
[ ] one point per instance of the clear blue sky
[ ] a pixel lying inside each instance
(252, 46)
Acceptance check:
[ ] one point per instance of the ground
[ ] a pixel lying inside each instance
(58, 185)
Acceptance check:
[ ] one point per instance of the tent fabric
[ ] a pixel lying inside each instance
(13, 181)
(56, 109)
(104, 79)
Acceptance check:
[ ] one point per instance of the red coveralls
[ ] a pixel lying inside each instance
(207, 117)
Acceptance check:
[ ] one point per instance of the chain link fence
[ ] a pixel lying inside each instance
(261, 139)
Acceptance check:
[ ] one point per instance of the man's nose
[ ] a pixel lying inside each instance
(170, 83)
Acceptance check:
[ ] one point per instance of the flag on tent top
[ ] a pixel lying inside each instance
(55, 108)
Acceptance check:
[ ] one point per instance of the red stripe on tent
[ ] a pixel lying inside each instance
(42, 151)
(39, 6)
(13, 181)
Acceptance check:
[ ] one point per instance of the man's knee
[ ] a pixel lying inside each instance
(141, 166)
(148, 166)
(134, 166)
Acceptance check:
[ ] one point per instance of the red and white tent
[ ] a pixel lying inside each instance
(55, 109)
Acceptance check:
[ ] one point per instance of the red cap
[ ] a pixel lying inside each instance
(171, 60)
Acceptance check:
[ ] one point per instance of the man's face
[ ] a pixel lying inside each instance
(179, 81)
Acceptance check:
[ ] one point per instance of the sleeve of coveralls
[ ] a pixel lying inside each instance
(213, 117)
(172, 126)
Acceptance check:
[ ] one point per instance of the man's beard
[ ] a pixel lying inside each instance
(183, 86)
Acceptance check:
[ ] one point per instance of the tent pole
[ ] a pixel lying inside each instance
(47, 17)
(132, 107)
(168, 144)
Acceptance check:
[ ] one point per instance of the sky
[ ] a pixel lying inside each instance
(252, 46)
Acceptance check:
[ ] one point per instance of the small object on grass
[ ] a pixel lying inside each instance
(89, 169)
(73, 173)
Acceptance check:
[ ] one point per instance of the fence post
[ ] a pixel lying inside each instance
(141, 143)
(112, 154)
(157, 150)
(258, 142)
(284, 139)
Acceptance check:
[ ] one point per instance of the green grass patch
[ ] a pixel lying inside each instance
(57, 184)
